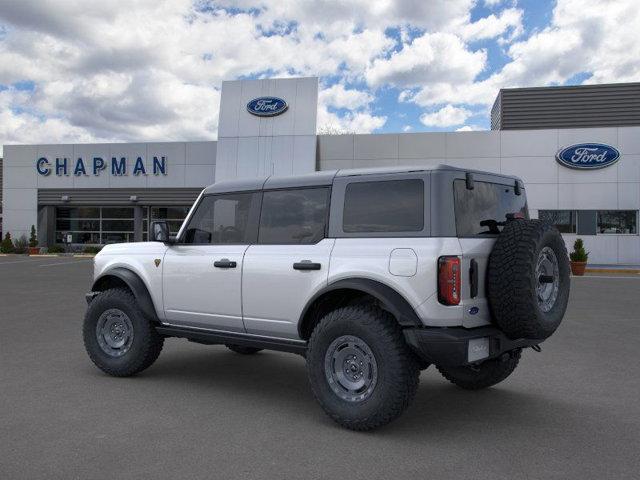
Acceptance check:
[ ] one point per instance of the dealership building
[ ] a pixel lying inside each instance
(576, 148)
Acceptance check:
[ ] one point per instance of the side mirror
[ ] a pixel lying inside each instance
(160, 232)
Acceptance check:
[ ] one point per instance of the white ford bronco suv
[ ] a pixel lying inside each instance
(371, 275)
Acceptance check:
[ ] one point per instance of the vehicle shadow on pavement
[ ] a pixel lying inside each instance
(276, 381)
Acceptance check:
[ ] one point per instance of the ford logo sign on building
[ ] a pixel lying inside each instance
(588, 156)
(267, 106)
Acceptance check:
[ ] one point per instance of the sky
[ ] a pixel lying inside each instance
(76, 71)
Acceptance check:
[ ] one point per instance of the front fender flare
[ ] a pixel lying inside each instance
(135, 284)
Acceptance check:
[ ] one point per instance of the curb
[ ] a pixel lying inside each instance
(633, 271)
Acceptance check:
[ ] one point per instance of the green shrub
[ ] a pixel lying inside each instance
(56, 249)
(579, 254)
(21, 244)
(33, 238)
(91, 249)
(7, 244)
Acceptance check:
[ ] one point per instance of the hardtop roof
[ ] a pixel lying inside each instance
(326, 177)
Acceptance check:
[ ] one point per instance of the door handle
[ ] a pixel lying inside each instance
(306, 265)
(224, 263)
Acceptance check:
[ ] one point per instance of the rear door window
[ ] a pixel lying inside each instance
(295, 216)
(483, 211)
(384, 206)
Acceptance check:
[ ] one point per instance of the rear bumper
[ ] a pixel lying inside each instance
(457, 346)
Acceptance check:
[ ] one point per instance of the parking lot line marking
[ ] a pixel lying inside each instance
(64, 263)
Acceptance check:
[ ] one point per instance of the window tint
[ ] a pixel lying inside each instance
(618, 221)
(564, 220)
(294, 216)
(386, 206)
(220, 219)
(484, 210)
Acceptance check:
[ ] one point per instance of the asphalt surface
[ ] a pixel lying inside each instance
(572, 411)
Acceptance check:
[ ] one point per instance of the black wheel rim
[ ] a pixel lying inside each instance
(114, 332)
(351, 368)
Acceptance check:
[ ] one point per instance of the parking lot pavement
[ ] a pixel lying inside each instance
(571, 411)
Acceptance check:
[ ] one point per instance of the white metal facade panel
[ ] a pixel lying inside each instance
(278, 145)
(21, 180)
(529, 154)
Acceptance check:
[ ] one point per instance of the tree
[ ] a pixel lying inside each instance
(33, 238)
(7, 244)
(332, 129)
(579, 254)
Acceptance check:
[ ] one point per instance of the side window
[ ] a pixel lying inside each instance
(297, 216)
(220, 219)
(384, 206)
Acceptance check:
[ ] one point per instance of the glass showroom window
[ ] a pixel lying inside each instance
(564, 220)
(618, 221)
(94, 225)
(174, 216)
(117, 224)
(82, 223)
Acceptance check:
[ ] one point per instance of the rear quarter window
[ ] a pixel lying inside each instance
(483, 211)
(384, 206)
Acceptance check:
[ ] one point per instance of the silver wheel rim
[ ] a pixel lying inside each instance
(547, 279)
(114, 332)
(351, 368)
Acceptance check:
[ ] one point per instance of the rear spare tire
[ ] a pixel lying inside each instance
(528, 279)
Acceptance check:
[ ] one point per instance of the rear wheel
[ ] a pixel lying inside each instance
(119, 339)
(487, 374)
(242, 349)
(360, 369)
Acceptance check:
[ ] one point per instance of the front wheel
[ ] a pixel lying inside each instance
(360, 369)
(487, 374)
(119, 339)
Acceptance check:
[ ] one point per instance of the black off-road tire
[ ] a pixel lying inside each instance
(242, 349)
(512, 282)
(485, 375)
(146, 344)
(397, 368)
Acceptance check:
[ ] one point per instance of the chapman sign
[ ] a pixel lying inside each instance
(267, 106)
(118, 166)
(588, 156)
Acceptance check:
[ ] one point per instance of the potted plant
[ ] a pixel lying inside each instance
(33, 242)
(7, 244)
(21, 245)
(579, 258)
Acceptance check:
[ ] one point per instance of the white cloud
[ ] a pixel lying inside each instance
(351, 122)
(432, 57)
(584, 37)
(469, 128)
(338, 96)
(447, 116)
(152, 70)
(509, 20)
(492, 3)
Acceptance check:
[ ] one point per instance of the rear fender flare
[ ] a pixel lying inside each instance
(389, 299)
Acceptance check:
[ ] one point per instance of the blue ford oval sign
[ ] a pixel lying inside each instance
(588, 156)
(267, 106)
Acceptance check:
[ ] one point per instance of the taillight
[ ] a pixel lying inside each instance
(449, 280)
